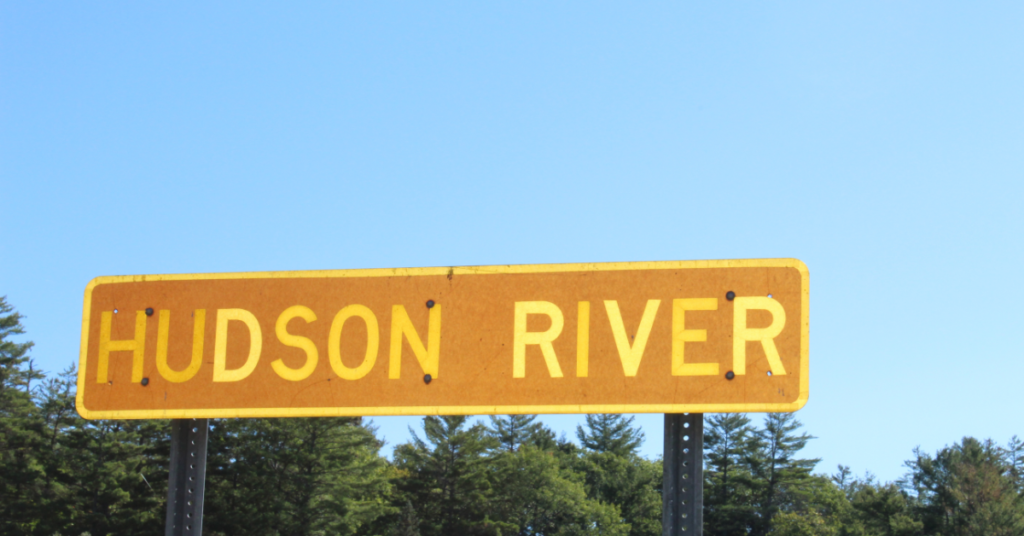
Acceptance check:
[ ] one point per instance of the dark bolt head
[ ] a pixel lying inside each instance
(149, 311)
(730, 375)
(145, 381)
(427, 378)
(730, 295)
(430, 304)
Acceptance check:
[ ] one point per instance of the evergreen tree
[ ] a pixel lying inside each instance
(20, 470)
(845, 481)
(512, 431)
(728, 501)
(62, 474)
(16, 373)
(97, 477)
(537, 496)
(966, 489)
(884, 510)
(111, 470)
(407, 522)
(610, 433)
(615, 474)
(295, 476)
(446, 476)
(56, 402)
(631, 483)
(1015, 462)
(545, 439)
(776, 472)
(817, 507)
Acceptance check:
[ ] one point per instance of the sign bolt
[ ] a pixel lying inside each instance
(730, 295)
(427, 378)
(730, 375)
(430, 304)
(149, 311)
(145, 382)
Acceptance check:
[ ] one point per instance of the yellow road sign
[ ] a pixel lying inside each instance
(664, 337)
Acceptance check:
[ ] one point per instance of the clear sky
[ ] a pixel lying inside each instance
(882, 143)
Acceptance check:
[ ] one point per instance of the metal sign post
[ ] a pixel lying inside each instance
(683, 485)
(187, 477)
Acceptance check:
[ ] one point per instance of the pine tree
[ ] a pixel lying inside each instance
(816, 507)
(296, 476)
(407, 522)
(21, 473)
(776, 472)
(60, 473)
(512, 431)
(630, 483)
(16, 373)
(610, 433)
(537, 496)
(883, 509)
(447, 476)
(966, 489)
(1015, 462)
(116, 475)
(56, 401)
(615, 474)
(728, 500)
(845, 480)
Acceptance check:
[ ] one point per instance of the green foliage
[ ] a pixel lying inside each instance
(20, 466)
(540, 497)
(447, 477)
(113, 466)
(776, 474)
(296, 476)
(728, 485)
(15, 377)
(616, 475)
(463, 479)
(967, 489)
(511, 431)
(884, 510)
(1015, 461)
(816, 508)
(60, 473)
(96, 477)
(756, 483)
(407, 523)
(610, 433)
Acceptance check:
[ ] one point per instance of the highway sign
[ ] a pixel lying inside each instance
(660, 337)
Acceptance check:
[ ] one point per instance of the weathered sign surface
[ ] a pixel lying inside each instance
(665, 337)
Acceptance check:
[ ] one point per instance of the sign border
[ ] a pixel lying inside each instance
(454, 410)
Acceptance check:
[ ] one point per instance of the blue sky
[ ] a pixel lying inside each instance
(879, 142)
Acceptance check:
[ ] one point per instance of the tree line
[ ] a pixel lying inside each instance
(508, 475)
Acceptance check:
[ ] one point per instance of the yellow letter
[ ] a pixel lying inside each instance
(428, 357)
(631, 355)
(681, 336)
(198, 332)
(543, 338)
(220, 345)
(741, 333)
(295, 341)
(137, 346)
(372, 342)
(583, 340)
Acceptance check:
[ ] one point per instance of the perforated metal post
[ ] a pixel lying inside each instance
(683, 485)
(188, 477)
